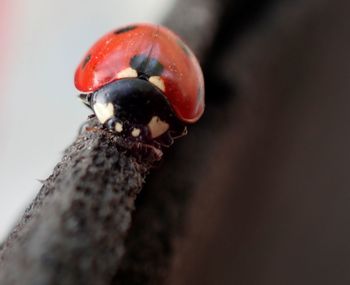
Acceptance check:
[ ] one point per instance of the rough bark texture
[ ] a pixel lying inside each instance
(73, 232)
(257, 193)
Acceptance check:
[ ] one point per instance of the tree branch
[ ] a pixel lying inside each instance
(73, 232)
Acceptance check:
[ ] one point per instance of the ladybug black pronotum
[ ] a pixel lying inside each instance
(142, 82)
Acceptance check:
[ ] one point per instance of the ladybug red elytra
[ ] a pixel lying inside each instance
(143, 82)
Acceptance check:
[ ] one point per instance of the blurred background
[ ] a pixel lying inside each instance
(42, 42)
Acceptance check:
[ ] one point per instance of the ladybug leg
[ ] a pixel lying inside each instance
(179, 132)
(85, 127)
(165, 140)
(175, 132)
(86, 99)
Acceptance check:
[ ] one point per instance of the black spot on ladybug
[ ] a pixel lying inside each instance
(124, 30)
(184, 47)
(146, 66)
(86, 60)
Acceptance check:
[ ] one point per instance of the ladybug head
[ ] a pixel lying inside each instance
(136, 110)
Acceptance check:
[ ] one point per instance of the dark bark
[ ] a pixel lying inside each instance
(73, 232)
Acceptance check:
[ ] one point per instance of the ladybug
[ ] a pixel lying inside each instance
(142, 82)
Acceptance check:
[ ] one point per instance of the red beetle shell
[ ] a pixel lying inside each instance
(182, 75)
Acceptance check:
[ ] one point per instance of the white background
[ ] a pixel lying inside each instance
(39, 112)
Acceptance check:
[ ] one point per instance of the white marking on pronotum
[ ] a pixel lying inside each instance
(104, 111)
(118, 127)
(157, 127)
(157, 81)
(127, 73)
(135, 132)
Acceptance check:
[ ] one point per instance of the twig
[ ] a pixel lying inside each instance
(73, 232)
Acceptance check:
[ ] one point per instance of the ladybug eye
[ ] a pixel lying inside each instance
(157, 127)
(157, 81)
